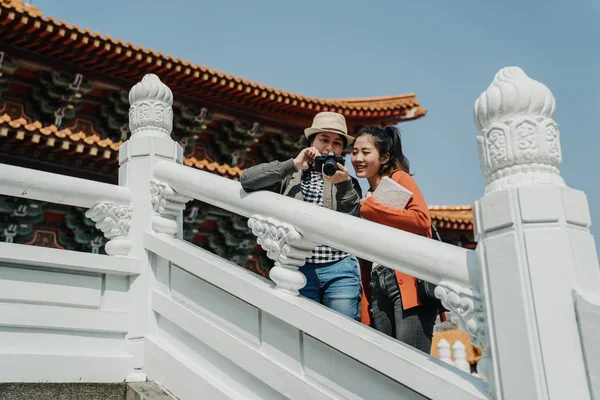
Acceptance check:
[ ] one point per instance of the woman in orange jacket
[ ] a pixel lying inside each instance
(390, 302)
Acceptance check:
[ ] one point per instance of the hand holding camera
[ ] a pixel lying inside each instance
(328, 164)
(305, 158)
(340, 175)
(332, 167)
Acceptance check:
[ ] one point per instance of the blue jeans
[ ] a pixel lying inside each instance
(335, 285)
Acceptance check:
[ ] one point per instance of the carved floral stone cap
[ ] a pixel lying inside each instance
(518, 142)
(150, 88)
(150, 110)
(512, 94)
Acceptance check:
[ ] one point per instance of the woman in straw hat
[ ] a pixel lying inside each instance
(332, 276)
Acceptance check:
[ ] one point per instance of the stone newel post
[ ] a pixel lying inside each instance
(150, 121)
(534, 245)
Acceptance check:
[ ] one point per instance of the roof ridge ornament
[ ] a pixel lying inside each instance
(150, 111)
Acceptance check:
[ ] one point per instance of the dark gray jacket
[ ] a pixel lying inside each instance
(282, 177)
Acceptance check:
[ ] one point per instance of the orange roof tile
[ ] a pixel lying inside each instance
(105, 144)
(58, 133)
(452, 217)
(207, 165)
(74, 44)
(22, 6)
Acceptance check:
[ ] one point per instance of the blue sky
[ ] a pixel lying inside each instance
(445, 52)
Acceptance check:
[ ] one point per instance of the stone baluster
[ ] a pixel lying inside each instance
(168, 206)
(534, 246)
(286, 246)
(114, 221)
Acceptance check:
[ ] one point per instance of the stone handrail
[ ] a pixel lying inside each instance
(289, 229)
(61, 189)
(412, 254)
(109, 205)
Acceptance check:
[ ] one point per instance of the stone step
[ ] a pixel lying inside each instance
(82, 391)
(146, 391)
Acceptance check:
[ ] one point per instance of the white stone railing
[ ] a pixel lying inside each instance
(506, 294)
(60, 189)
(289, 343)
(415, 255)
(108, 204)
(292, 229)
(75, 304)
(528, 295)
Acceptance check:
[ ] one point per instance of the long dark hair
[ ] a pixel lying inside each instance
(388, 141)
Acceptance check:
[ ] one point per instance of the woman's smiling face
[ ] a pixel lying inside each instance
(366, 159)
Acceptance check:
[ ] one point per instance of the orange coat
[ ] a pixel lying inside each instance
(414, 218)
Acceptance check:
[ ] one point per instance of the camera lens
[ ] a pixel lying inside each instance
(330, 167)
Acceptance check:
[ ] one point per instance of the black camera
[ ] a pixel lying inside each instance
(328, 163)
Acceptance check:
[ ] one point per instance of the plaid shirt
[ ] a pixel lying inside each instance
(312, 192)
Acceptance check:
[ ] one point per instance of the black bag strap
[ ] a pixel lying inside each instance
(391, 284)
(435, 233)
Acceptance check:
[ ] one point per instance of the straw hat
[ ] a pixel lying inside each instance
(329, 122)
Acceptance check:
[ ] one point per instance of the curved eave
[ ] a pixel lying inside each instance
(26, 27)
(458, 218)
(83, 145)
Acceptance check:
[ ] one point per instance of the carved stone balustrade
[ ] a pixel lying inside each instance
(168, 207)
(286, 246)
(114, 221)
(466, 310)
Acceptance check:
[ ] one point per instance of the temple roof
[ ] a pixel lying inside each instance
(452, 217)
(57, 133)
(26, 27)
(78, 142)
(445, 217)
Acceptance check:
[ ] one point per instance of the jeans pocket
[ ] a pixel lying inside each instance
(353, 266)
